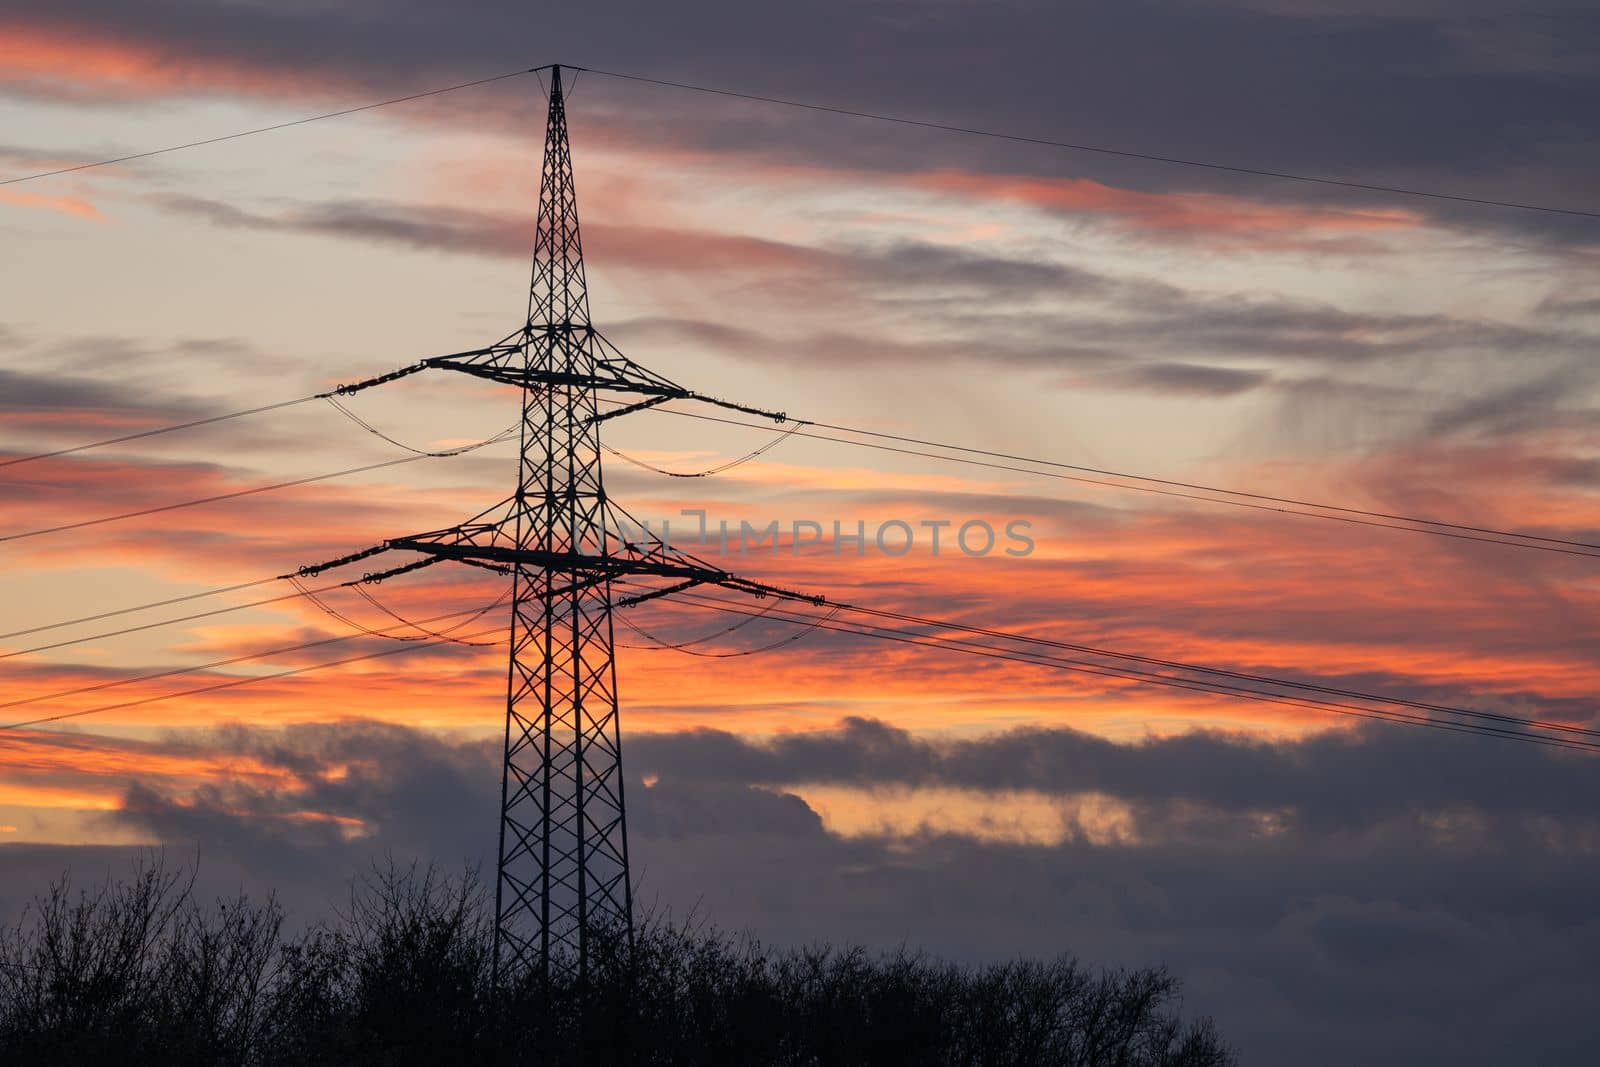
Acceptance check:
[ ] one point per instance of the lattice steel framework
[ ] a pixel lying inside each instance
(563, 854)
(563, 840)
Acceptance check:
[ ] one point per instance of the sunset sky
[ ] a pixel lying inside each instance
(1325, 888)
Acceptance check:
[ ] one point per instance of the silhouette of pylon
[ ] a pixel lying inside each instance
(563, 855)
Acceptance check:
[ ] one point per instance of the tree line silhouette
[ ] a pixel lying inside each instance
(140, 971)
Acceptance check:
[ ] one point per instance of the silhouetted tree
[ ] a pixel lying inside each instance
(139, 972)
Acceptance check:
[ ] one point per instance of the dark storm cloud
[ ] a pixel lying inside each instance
(1495, 104)
(1419, 898)
(1331, 782)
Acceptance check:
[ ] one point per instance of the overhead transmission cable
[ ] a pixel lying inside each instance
(300, 593)
(1217, 681)
(719, 468)
(904, 120)
(234, 683)
(140, 607)
(263, 129)
(142, 627)
(465, 617)
(1559, 735)
(1131, 482)
(259, 489)
(198, 501)
(13, 461)
(1198, 668)
(1160, 487)
(657, 644)
(421, 453)
(420, 625)
(1148, 157)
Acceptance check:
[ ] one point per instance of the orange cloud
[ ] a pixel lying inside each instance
(74, 59)
(75, 206)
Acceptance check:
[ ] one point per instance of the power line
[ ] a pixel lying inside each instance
(1222, 672)
(1203, 685)
(331, 396)
(910, 619)
(262, 129)
(1104, 151)
(233, 684)
(140, 607)
(718, 468)
(656, 644)
(1196, 685)
(903, 120)
(1210, 488)
(255, 490)
(662, 645)
(1145, 483)
(884, 633)
(465, 616)
(160, 430)
(420, 624)
(421, 453)
(1347, 515)
(142, 627)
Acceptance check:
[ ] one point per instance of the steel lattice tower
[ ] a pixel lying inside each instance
(563, 862)
(563, 852)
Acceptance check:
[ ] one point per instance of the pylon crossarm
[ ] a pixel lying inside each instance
(369, 578)
(633, 599)
(368, 383)
(762, 589)
(775, 416)
(602, 567)
(629, 410)
(739, 585)
(532, 378)
(415, 565)
(312, 569)
(497, 568)
(498, 349)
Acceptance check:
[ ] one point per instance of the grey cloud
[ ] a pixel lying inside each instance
(1570, 307)
(1141, 333)
(1368, 934)
(922, 265)
(430, 229)
(1259, 88)
(1514, 409)
(56, 403)
(1291, 330)
(905, 265)
(1189, 379)
(1333, 781)
(696, 331)
(21, 391)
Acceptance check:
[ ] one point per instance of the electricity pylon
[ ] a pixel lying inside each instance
(563, 853)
